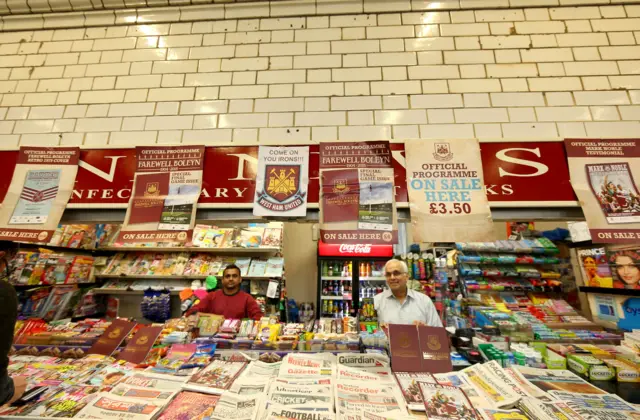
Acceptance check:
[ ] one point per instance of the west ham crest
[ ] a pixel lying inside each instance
(442, 152)
(282, 188)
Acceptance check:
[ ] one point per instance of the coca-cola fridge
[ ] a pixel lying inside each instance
(349, 276)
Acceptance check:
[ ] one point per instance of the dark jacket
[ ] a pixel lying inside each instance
(8, 315)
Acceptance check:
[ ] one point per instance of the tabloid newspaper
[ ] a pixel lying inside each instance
(497, 414)
(442, 402)
(559, 380)
(491, 387)
(494, 369)
(108, 406)
(379, 374)
(408, 383)
(152, 394)
(307, 366)
(154, 380)
(277, 412)
(460, 380)
(529, 388)
(232, 406)
(255, 378)
(301, 395)
(305, 381)
(365, 415)
(597, 407)
(190, 405)
(540, 410)
(375, 397)
(363, 361)
(216, 378)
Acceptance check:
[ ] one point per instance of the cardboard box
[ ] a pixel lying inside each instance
(590, 367)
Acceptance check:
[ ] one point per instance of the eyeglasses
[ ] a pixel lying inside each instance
(393, 274)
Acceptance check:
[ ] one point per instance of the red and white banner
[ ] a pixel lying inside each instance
(166, 189)
(357, 200)
(605, 176)
(40, 188)
(354, 250)
(516, 174)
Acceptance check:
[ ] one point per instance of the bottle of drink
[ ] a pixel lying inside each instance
(325, 268)
(324, 307)
(368, 269)
(336, 290)
(330, 307)
(330, 271)
(325, 289)
(342, 288)
(350, 268)
(363, 271)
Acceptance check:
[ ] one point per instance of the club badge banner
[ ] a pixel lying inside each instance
(40, 189)
(447, 196)
(282, 182)
(166, 188)
(357, 194)
(604, 175)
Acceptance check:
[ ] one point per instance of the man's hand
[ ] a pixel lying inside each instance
(419, 323)
(19, 387)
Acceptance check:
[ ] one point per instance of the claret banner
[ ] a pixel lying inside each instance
(447, 196)
(605, 176)
(166, 188)
(40, 188)
(357, 194)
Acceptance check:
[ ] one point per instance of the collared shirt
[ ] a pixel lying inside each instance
(416, 307)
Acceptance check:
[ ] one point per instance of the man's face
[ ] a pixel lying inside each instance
(396, 278)
(231, 279)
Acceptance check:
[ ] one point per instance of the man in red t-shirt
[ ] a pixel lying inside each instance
(230, 301)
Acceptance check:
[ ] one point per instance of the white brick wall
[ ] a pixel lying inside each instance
(389, 71)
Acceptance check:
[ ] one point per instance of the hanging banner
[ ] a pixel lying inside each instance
(357, 195)
(40, 189)
(603, 174)
(282, 182)
(166, 188)
(446, 188)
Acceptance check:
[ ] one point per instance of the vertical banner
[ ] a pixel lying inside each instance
(357, 194)
(447, 198)
(282, 181)
(41, 186)
(603, 176)
(166, 188)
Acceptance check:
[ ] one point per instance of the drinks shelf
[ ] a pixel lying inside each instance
(338, 278)
(334, 298)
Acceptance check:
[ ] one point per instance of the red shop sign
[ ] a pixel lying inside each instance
(354, 250)
(516, 174)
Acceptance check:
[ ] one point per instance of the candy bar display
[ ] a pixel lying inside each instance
(47, 267)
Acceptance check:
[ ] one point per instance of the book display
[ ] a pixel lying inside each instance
(88, 282)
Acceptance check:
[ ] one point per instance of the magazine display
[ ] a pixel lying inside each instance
(65, 403)
(190, 405)
(215, 378)
(409, 385)
(442, 402)
(106, 406)
(595, 267)
(355, 397)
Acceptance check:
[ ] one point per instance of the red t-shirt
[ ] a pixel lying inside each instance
(238, 306)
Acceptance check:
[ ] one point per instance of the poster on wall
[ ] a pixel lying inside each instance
(447, 196)
(282, 182)
(604, 176)
(357, 193)
(166, 188)
(40, 189)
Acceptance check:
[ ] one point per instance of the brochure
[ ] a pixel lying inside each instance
(215, 378)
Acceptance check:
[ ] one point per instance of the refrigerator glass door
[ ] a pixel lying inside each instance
(336, 294)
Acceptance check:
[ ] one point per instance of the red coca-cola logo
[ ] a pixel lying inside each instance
(354, 249)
